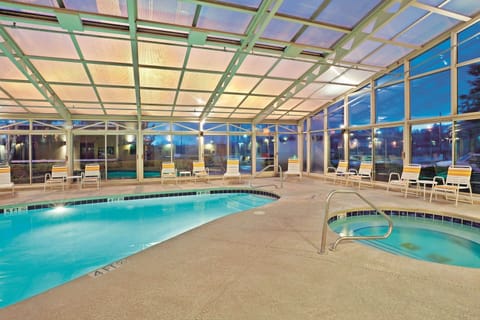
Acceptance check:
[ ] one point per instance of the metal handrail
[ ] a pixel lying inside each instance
(342, 238)
(257, 173)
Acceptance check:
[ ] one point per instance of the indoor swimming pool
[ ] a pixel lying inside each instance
(45, 245)
(422, 236)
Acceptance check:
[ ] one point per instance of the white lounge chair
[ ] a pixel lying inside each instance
(458, 178)
(6, 179)
(233, 170)
(168, 172)
(58, 177)
(341, 172)
(364, 174)
(410, 176)
(199, 171)
(293, 169)
(91, 175)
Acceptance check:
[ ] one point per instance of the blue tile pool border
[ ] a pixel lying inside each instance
(408, 213)
(19, 208)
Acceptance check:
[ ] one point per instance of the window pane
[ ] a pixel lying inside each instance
(393, 76)
(388, 148)
(121, 154)
(317, 122)
(88, 149)
(390, 103)
(337, 150)
(467, 146)
(185, 151)
(469, 43)
(359, 107)
(360, 144)
(215, 127)
(241, 149)
(14, 151)
(435, 58)
(335, 116)
(430, 95)
(469, 88)
(215, 153)
(156, 149)
(186, 126)
(287, 148)
(265, 149)
(432, 148)
(47, 150)
(317, 152)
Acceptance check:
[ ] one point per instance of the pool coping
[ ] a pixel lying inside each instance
(413, 213)
(17, 208)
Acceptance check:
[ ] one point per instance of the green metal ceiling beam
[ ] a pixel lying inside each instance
(264, 15)
(132, 23)
(378, 18)
(16, 56)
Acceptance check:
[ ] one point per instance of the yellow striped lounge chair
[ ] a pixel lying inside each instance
(293, 169)
(58, 177)
(364, 174)
(199, 171)
(233, 170)
(168, 172)
(458, 178)
(410, 176)
(91, 175)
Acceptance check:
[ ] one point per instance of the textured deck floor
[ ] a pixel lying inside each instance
(263, 266)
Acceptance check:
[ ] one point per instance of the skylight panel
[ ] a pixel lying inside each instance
(9, 70)
(42, 43)
(52, 70)
(159, 78)
(241, 84)
(271, 87)
(161, 54)
(75, 93)
(257, 65)
(230, 100)
(193, 98)
(319, 37)
(167, 11)
(157, 96)
(346, 13)
(200, 81)
(257, 102)
(466, 7)
(331, 91)
(116, 94)
(400, 23)
(354, 76)
(223, 20)
(290, 69)
(387, 55)
(204, 59)
(22, 90)
(302, 9)
(281, 30)
(110, 7)
(364, 49)
(427, 29)
(111, 75)
(104, 49)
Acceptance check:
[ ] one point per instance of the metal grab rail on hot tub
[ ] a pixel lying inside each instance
(333, 246)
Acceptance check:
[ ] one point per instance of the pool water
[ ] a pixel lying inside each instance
(44, 248)
(418, 238)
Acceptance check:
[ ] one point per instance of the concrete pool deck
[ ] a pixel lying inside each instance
(263, 264)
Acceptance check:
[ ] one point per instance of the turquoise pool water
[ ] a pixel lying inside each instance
(43, 248)
(419, 238)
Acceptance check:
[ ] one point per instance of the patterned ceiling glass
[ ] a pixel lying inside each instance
(230, 58)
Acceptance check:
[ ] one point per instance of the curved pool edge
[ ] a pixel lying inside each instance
(19, 208)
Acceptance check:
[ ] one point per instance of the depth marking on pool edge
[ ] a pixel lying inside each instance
(106, 269)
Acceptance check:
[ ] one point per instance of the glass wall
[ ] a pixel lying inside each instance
(390, 97)
(432, 148)
(287, 145)
(121, 157)
(317, 144)
(47, 150)
(388, 148)
(337, 148)
(215, 153)
(156, 149)
(185, 151)
(14, 151)
(360, 146)
(359, 107)
(240, 147)
(467, 148)
(88, 149)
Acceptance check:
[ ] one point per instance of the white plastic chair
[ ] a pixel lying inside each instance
(233, 170)
(6, 179)
(293, 169)
(458, 178)
(58, 177)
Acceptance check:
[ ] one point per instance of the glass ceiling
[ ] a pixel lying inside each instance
(244, 60)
